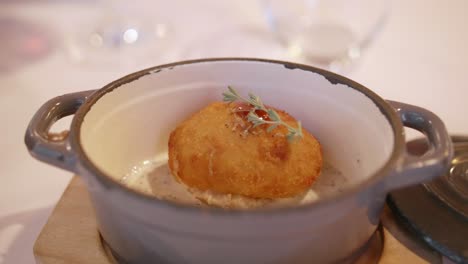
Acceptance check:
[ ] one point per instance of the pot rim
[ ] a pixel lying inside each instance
(110, 183)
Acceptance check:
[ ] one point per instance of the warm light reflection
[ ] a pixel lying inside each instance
(96, 40)
(161, 30)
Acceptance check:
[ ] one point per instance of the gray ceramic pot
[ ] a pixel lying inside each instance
(129, 121)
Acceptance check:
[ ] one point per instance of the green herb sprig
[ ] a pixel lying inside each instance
(275, 120)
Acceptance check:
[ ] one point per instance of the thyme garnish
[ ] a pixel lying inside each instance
(275, 120)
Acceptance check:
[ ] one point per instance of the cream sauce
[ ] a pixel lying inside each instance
(154, 178)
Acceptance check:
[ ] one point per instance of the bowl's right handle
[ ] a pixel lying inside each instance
(417, 169)
(54, 148)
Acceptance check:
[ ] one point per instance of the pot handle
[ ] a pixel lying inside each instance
(417, 169)
(54, 148)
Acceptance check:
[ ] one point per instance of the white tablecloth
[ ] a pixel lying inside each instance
(420, 57)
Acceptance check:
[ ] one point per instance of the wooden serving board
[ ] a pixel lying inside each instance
(71, 236)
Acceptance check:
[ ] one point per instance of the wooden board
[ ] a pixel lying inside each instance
(70, 235)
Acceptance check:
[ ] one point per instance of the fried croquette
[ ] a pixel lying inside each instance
(219, 150)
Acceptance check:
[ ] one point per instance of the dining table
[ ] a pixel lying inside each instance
(419, 56)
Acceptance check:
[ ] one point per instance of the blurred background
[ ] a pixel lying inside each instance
(331, 34)
(410, 51)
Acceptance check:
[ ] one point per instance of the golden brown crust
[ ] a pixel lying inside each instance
(218, 150)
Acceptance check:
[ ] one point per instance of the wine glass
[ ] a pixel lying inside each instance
(327, 33)
(124, 34)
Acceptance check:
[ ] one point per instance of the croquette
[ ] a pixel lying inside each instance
(218, 150)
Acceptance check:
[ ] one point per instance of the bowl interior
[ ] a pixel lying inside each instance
(132, 123)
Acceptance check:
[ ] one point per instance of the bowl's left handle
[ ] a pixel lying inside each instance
(54, 148)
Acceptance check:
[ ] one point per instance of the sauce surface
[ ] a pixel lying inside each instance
(153, 177)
